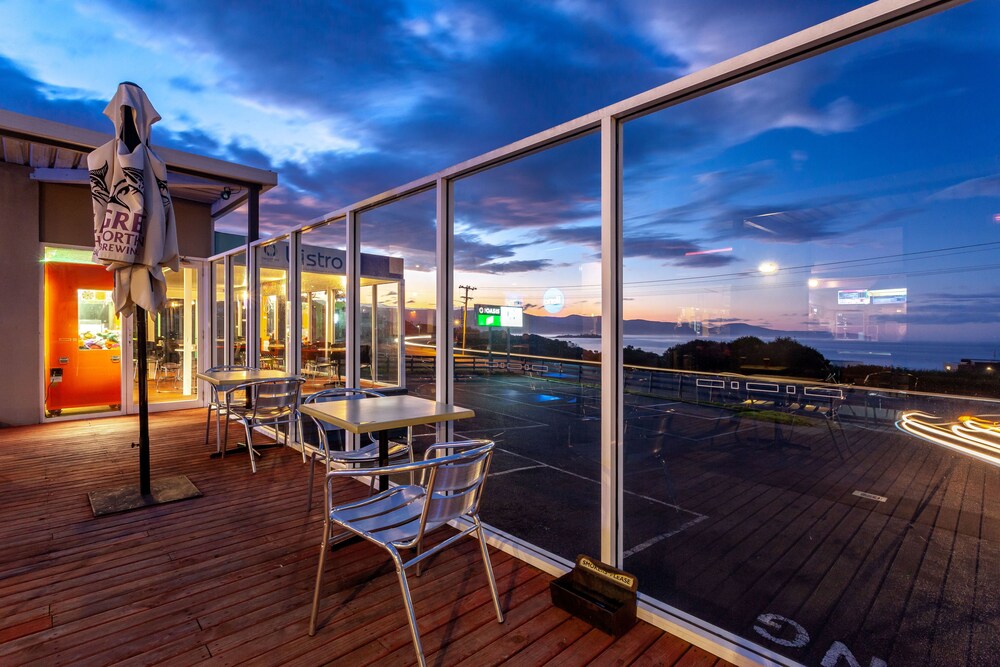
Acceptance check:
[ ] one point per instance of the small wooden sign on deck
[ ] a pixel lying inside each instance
(597, 593)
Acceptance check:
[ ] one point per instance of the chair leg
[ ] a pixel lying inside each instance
(410, 615)
(312, 468)
(250, 452)
(218, 426)
(419, 550)
(323, 548)
(489, 570)
(208, 423)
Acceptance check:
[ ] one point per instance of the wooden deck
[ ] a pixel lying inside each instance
(227, 578)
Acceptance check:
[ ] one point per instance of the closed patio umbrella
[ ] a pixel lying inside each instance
(135, 236)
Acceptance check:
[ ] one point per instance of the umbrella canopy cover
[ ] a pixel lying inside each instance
(135, 232)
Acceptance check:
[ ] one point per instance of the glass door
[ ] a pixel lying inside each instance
(172, 343)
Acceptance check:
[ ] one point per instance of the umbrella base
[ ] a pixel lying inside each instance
(127, 498)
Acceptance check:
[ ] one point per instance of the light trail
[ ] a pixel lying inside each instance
(972, 436)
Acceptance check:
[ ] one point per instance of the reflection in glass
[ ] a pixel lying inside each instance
(239, 307)
(808, 387)
(272, 263)
(172, 341)
(219, 333)
(323, 304)
(528, 289)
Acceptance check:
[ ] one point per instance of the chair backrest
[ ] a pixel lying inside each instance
(365, 354)
(455, 484)
(271, 396)
(339, 393)
(323, 396)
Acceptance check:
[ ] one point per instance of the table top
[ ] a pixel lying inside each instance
(382, 413)
(233, 378)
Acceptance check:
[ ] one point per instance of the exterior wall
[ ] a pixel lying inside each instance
(30, 213)
(66, 218)
(20, 296)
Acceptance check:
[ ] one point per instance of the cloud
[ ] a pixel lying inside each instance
(26, 95)
(985, 186)
(515, 266)
(703, 33)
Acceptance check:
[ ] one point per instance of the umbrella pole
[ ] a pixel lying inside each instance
(143, 370)
(166, 489)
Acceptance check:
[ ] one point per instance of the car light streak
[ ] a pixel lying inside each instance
(972, 436)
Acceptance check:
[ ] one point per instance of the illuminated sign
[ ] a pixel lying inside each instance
(553, 300)
(888, 295)
(855, 297)
(852, 297)
(499, 316)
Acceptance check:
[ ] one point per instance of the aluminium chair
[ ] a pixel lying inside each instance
(168, 372)
(269, 403)
(323, 450)
(450, 489)
(217, 402)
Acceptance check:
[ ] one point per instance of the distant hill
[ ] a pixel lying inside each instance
(581, 325)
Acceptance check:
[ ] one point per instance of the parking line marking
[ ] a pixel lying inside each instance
(659, 538)
(505, 472)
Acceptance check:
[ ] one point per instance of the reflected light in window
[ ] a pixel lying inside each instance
(814, 282)
(767, 268)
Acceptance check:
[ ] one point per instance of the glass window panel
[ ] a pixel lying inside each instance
(811, 331)
(323, 300)
(398, 293)
(219, 308)
(272, 266)
(238, 311)
(527, 319)
(172, 341)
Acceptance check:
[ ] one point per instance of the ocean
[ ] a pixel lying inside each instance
(913, 355)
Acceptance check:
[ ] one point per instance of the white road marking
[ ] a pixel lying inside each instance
(662, 536)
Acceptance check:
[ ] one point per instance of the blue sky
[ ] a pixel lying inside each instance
(346, 99)
(882, 149)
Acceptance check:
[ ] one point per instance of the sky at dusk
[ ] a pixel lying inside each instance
(872, 167)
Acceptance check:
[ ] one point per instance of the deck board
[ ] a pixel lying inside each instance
(227, 578)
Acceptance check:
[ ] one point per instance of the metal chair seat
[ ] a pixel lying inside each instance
(450, 489)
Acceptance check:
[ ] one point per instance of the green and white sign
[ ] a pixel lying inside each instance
(499, 316)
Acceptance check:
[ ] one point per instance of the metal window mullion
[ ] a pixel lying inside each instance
(228, 326)
(612, 395)
(401, 323)
(353, 306)
(352, 327)
(373, 368)
(293, 318)
(444, 368)
(253, 308)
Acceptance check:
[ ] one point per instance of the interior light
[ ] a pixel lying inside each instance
(814, 282)
(768, 267)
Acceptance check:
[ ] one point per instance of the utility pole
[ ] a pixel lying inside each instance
(465, 308)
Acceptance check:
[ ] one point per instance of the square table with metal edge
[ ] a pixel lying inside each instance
(382, 414)
(225, 381)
